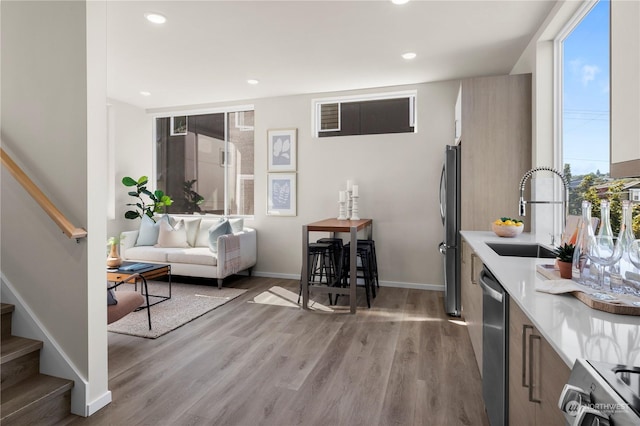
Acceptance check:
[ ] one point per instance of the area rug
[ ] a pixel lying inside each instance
(188, 302)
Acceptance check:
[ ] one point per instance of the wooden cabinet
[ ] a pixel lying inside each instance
(625, 89)
(536, 374)
(496, 147)
(457, 122)
(472, 299)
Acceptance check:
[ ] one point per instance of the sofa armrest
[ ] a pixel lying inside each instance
(236, 252)
(127, 240)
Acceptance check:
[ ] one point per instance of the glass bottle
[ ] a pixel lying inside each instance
(625, 237)
(581, 264)
(605, 233)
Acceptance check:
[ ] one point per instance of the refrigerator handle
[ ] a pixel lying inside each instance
(443, 189)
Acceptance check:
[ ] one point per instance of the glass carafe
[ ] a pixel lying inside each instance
(605, 250)
(625, 270)
(581, 268)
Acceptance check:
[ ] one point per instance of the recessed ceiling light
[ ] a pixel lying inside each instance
(156, 18)
(145, 93)
(253, 81)
(409, 55)
(399, 1)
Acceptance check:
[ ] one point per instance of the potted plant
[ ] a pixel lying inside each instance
(564, 254)
(158, 200)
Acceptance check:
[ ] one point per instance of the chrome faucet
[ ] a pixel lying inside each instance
(564, 202)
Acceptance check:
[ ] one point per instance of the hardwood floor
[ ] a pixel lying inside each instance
(402, 362)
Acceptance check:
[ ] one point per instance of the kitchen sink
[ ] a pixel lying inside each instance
(522, 250)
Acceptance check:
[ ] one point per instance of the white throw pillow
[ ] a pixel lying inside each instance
(193, 226)
(148, 231)
(172, 236)
(221, 228)
(202, 239)
(237, 224)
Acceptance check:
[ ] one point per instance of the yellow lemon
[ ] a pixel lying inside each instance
(509, 223)
(498, 222)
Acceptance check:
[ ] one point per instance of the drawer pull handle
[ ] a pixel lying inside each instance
(524, 354)
(473, 269)
(531, 337)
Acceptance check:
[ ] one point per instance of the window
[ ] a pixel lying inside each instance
(584, 53)
(209, 168)
(365, 115)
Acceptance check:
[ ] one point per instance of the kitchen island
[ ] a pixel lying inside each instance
(573, 329)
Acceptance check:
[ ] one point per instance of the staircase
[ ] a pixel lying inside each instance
(28, 397)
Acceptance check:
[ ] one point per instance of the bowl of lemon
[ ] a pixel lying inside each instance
(507, 227)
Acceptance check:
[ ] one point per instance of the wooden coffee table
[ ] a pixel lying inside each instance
(147, 270)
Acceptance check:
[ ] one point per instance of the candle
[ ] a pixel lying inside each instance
(349, 184)
(342, 196)
(354, 190)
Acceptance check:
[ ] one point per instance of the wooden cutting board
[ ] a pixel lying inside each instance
(622, 307)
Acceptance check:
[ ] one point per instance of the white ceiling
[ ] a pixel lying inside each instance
(207, 50)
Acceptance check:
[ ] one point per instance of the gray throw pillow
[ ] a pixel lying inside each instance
(149, 230)
(221, 228)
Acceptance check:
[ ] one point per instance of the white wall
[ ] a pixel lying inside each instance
(44, 103)
(398, 176)
(538, 59)
(130, 137)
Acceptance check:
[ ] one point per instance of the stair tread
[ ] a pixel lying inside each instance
(5, 308)
(15, 346)
(31, 391)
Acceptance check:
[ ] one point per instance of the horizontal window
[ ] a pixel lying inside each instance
(367, 115)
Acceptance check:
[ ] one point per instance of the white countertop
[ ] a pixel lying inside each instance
(571, 327)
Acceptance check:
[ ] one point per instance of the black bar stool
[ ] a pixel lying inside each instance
(374, 258)
(364, 269)
(323, 266)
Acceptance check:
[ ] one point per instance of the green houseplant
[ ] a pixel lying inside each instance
(147, 203)
(564, 254)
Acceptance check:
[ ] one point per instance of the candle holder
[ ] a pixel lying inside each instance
(343, 210)
(354, 208)
(349, 203)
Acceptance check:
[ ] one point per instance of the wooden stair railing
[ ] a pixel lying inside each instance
(56, 215)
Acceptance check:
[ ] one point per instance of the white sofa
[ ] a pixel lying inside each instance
(236, 251)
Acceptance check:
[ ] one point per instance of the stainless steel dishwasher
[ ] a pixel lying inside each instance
(495, 348)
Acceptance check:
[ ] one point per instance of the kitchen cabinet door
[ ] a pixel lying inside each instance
(625, 89)
(496, 147)
(555, 375)
(472, 299)
(536, 374)
(521, 410)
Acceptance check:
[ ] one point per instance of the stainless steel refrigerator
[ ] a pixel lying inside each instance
(450, 212)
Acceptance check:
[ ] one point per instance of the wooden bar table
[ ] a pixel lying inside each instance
(334, 226)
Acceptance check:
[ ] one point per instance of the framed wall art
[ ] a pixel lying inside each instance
(282, 152)
(281, 194)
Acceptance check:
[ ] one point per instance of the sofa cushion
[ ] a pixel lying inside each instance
(237, 224)
(202, 239)
(221, 228)
(149, 253)
(148, 232)
(194, 255)
(172, 235)
(192, 226)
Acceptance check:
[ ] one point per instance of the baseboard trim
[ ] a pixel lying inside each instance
(276, 275)
(416, 286)
(397, 284)
(98, 403)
